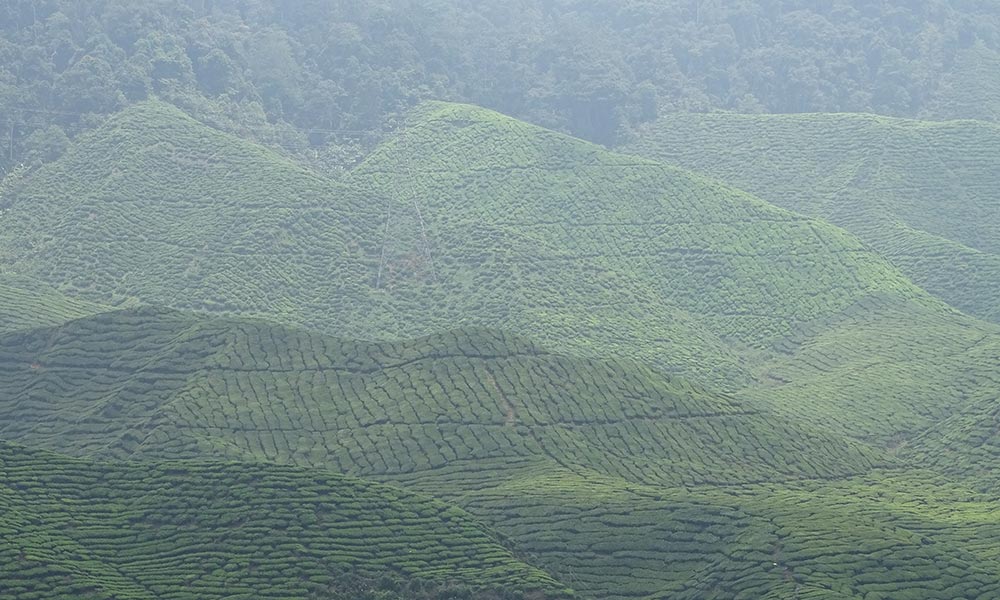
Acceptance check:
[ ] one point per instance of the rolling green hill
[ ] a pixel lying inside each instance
(76, 529)
(923, 194)
(837, 326)
(469, 218)
(620, 481)
(461, 407)
(466, 217)
(159, 208)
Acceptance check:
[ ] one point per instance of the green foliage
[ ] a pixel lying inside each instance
(618, 480)
(76, 529)
(324, 73)
(470, 218)
(602, 466)
(472, 401)
(28, 304)
(922, 194)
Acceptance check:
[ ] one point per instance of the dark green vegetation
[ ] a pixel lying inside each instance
(318, 77)
(76, 529)
(922, 194)
(619, 481)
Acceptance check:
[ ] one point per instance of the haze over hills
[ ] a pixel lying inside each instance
(287, 310)
(568, 433)
(922, 194)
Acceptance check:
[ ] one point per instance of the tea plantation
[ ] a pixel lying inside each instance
(649, 384)
(922, 194)
(466, 406)
(27, 304)
(76, 529)
(618, 480)
(468, 218)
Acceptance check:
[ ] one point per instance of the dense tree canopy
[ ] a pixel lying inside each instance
(321, 78)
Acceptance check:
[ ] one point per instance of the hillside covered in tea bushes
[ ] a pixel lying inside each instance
(648, 383)
(528, 300)
(469, 405)
(470, 218)
(922, 194)
(27, 304)
(617, 480)
(71, 528)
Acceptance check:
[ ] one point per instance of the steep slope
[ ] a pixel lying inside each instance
(922, 194)
(620, 481)
(204, 221)
(76, 529)
(25, 304)
(581, 227)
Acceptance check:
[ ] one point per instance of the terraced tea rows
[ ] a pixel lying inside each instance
(467, 405)
(738, 267)
(159, 208)
(595, 469)
(876, 537)
(75, 529)
(884, 372)
(465, 218)
(965, 446)
(922, 194)
(620, 480)
(28, 304)
(556, 209)
(470, 218)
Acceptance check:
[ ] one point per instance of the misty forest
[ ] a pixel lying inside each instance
(511, 300)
